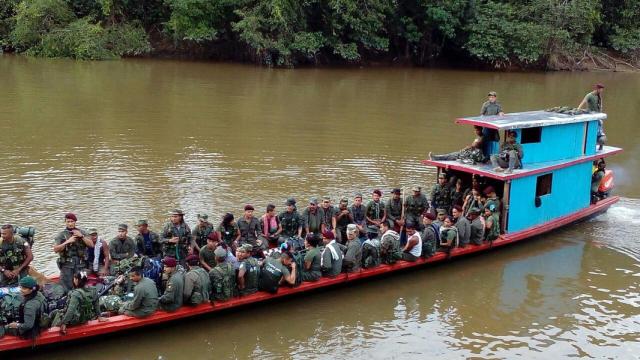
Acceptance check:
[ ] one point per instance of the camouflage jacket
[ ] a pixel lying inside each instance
(375, 211)
(13, 254)
(415, 206)
(223, 282)
(291, 222)
(81, 306)
(440, 196)
(179, 250)
(394, 209)
(74, 252)
(122, 249)
(153, 250)
(200, 233)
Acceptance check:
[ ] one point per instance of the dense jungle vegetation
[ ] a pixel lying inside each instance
(536, 34)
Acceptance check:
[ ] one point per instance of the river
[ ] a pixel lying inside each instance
(119, 141)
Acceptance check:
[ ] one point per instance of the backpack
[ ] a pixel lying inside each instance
(298, 258)
(267, 280)
(152, 269)
(10, 308)
(392, 255)
(428, 248)
(55, 296)
(371, 253)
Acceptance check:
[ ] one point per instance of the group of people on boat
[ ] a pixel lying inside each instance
(241, 256)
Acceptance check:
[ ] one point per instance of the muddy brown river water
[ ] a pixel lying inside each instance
(118, 141)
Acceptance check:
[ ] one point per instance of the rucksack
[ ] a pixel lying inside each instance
(298, 258)
(55, 296)
(152, 269)
(371, 253)
(10, 308)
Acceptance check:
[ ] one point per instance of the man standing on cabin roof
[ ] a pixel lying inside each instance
(329, 213)
(71, 244)
(249, 228)
(477, 227)
(441, 194)
(343, 219)
(376, 214)
(593, 103)
(462, 224)
(414, 206)
(176, 236)
(510, 156)
(201, 231)
(121, 247)
(358, 214)
(491, 107)
(15, 257)
(312, 218)
(147, 241)
(290, 222)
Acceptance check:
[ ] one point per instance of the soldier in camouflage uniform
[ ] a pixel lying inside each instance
(375, 213)
(172, 298)
(343, 218)
(201, 231)
(491, 223)
(249, 227)
(197, 285)
(490, 136)
(390, 249)
(393, 211)
(121, 247)
(492, 199)
(510, 156)
(329, 213)
(15, 257)
(223, 277)
(312, 218)
(228, 231)
(593, 103)
(290, 222)
(147, 241)
(207, 256)
(471, 154)
(414, 206)
(358, 214)
(81, 305)
(441, 194)
(71, 244)
(176, 237)
(248, 271)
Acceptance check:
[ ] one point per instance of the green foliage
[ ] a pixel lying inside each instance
(196, 20)
(621, 24)
(7, 21)
(36, 18)
(127, 40)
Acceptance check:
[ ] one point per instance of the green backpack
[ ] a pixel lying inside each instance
(10, 308)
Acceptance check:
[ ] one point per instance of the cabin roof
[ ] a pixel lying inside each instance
(528, 119)
(486, 170)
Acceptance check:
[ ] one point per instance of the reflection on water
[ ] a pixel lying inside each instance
(123, 140)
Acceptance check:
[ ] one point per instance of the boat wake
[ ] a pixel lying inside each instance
(617, 228)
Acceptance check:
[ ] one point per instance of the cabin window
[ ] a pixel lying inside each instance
(543, 185)
(531, 135)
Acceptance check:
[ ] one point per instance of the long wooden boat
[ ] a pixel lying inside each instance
(123, 322)
(552, 190)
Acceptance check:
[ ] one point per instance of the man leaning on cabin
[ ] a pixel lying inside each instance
(592, 102)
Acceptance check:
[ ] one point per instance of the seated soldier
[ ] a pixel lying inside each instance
(430, 235)
(222, 277)
(15, 257)
(275, 272)
(471, 154)
(413, 249)
(448, 234)
(145, 296)
(172, 298)
(248, 271)
(353, 257)
(596, 179)
(390, 249)
(81, 305)
(370, 248)
(332, 255)
(197, 285)
(510, 155)
(440, 215)
(32, 306)
(121, 247)
(477, 227)
(312, 259)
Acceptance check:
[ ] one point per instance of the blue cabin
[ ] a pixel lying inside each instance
(557, 167)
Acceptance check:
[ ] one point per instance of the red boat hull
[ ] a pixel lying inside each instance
(122, 322)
